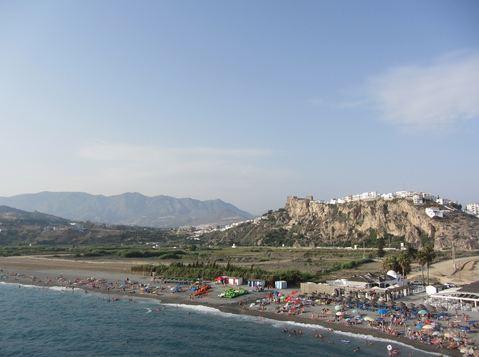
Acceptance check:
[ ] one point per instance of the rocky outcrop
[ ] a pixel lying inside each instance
(304, 221)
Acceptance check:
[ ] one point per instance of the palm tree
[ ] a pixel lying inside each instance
(421, 259)
(425, 257)
(404, 262)
(391, 263)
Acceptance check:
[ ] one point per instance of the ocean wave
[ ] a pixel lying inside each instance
(54, 288)
(281, 324)
(198, 308)
(22, 285)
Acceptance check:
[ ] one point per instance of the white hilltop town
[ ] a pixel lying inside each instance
(418, 198)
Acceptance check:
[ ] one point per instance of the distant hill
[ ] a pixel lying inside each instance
(129, 208)
(10, 215)
(22, 227)
(304, 222)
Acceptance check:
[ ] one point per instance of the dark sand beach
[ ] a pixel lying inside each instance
(62, 272)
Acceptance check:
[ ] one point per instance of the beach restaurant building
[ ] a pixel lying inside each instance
(389, 286)
(465, 297)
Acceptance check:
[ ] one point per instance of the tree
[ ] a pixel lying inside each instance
(411, 251)
(421, 259)
(381, 247)
(391, 263)
(425, 257)
(404, 261)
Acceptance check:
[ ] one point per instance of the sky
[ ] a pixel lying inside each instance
(247, 101)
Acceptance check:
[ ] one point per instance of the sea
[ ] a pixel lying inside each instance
(36, 321)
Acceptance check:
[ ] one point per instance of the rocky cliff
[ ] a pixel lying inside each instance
(308, 222)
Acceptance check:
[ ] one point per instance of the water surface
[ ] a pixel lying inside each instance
(46, 322)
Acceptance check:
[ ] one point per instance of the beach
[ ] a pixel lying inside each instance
(115, 279)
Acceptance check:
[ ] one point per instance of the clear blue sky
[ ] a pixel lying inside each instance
(244, 101)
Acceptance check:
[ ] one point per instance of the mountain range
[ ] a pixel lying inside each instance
(129, 209)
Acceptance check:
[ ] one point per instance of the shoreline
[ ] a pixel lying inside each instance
(235, 308)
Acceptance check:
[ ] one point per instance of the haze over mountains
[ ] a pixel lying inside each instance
(129, 208)
(22, 227)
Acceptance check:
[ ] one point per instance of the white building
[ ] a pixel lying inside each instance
(473, 208)
(388, 196)
(434, 212)
(417, 199)
(443, 201)
(235, 281)
(404, 194)
(280, 284)
(369, 280)
(428, 196)
(368, 195)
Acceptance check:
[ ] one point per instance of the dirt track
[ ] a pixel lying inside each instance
(43, 263)
(466, 271)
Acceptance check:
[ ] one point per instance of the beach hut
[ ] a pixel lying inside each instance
(222, 279)
(280, 284)
(256, 283)
(235, 281)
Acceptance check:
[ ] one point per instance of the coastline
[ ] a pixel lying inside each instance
(235, 308)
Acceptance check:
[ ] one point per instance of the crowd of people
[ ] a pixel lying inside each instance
(426, 324)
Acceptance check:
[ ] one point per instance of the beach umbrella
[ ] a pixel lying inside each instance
(422, 312)
(436, 333)
(428, 327)
(368, 318)
(339, 313)
(383, 311)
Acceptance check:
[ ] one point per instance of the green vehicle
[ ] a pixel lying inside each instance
(231, 293)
